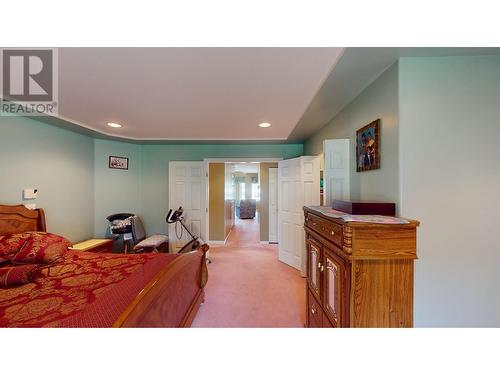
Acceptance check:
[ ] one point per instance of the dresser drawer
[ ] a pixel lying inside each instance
(330, 230)
(314, 312)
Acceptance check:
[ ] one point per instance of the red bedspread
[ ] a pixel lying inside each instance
(82, 290)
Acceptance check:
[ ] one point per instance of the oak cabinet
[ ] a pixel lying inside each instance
(359, 274)
(314, 266)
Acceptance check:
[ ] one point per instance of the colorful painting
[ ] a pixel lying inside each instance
(368, 147)
(118, 162)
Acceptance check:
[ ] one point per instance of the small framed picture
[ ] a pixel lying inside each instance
(118, 162)
(368, 147)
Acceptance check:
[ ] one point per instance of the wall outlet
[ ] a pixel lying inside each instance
(30, 193)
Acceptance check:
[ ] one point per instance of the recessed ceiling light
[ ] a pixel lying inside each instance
(114, 125)
(265, 125)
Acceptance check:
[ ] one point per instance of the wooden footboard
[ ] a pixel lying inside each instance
(173, 297)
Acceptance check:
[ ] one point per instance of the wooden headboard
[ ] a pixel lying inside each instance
(19, 219)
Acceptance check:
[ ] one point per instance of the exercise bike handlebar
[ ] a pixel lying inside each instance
(174, 217)
(168, 217)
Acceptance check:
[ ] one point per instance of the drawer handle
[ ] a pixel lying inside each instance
(313, 310)
(322, 268)
(333, 233)
(319, 266)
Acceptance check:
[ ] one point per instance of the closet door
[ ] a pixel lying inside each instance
(298, 186)
(188, 188)
(290, 218)
(336, 170)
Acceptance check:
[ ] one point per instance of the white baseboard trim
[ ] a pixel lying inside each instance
(228, 234)
(210, 242)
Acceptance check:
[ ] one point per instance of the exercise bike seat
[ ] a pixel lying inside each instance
(152, 242)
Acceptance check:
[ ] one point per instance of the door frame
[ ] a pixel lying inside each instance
(274, 240)
(227, 160)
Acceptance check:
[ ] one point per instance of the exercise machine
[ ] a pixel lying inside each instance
(176, 218)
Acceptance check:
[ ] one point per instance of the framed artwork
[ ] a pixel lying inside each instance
(118, 162)
(368, 147)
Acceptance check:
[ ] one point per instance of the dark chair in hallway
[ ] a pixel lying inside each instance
(247, 208)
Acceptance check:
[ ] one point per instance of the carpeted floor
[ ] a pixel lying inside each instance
(249, 287)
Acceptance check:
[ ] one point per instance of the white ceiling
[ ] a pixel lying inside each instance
(355, 70)
(191, 93)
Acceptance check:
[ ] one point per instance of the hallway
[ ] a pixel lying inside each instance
(247, 285)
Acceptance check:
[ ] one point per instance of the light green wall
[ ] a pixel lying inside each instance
(155, 170)
(76, 187)
(116, 190)
(379, 100)
(441, 163)
(59, 163)
(450, 180)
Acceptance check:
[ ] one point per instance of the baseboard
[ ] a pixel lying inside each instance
(210, 242)
(216, 242)
(228, 234)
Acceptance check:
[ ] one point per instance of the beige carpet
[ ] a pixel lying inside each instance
(249, 287)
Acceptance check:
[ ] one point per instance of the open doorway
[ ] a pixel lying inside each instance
(240, 204)
(234, 202)
(246, 184)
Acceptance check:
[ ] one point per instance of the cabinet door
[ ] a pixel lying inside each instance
(333, 287)
(314, 312)
(313, 266)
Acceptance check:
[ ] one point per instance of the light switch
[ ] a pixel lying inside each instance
(30, 193)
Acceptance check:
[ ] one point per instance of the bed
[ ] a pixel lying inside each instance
(103, 290)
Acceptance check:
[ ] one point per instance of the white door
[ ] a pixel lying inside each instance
(273, 205)
(187, 188)
(298, 186)
(336, 172)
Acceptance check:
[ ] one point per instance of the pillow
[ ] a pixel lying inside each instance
(11, 244)
(121, 224)
(18, 275)
(42, 248)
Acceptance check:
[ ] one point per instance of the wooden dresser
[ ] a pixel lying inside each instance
(358, 274)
